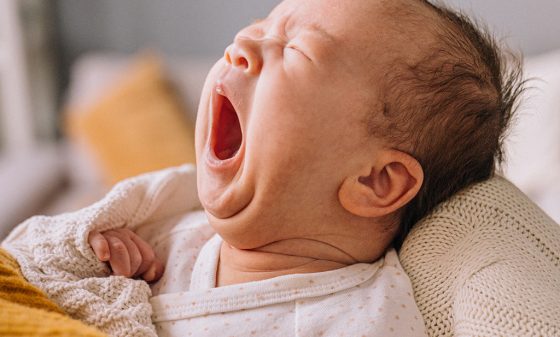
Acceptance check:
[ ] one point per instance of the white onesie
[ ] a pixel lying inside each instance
(359, 300)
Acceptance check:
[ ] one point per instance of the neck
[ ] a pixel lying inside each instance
(292, 256)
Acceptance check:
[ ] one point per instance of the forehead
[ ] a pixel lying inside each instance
(330, 15)
(364, 30)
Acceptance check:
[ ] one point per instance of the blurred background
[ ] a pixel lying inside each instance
(94, 91)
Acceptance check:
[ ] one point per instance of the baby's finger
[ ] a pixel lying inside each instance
(147, 252)
(155, 272)
(133, 252)
(99, 245)
(120, 260)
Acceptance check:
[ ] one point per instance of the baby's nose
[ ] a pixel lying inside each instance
(245, 54)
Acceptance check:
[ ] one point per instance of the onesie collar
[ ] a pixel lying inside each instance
(206, 266)
(203, 298)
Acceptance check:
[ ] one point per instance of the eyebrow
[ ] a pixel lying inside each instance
(311, 27)
(316, 28)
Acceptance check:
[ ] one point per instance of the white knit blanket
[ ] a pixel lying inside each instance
(54, 254)
(486, 263)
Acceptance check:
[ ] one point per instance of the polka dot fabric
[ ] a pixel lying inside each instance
(486, 263)
(359, 300)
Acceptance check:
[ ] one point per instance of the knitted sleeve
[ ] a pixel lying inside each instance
(54, 254)
(26, 310)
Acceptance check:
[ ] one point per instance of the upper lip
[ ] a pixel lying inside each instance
(224, 82)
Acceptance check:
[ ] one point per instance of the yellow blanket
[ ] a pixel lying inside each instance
(26, 310)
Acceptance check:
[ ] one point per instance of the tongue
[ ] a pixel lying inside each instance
(228, 135)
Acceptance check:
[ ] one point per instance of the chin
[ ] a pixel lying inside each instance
(248, 229)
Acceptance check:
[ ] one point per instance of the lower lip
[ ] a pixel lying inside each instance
(217, 164)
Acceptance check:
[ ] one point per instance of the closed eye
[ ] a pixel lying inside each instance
(295, 48)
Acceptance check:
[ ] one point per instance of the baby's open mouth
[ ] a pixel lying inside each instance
(227, 130)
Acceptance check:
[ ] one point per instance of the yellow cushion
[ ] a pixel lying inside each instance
(139, 125)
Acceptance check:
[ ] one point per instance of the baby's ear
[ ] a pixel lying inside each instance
(388, 183)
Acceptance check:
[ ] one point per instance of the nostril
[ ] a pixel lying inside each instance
(236, 58)
(244, 55)
(242, 62)
(227, 57)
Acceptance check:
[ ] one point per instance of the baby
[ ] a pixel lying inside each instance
(324, 133)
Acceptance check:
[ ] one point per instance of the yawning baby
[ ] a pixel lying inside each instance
(325, 132)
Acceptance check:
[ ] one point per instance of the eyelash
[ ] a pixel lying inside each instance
(293, 47)
(298, 50)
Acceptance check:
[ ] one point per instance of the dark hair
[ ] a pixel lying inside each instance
(450, 110)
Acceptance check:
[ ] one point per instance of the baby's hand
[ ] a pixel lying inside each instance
(127, 254)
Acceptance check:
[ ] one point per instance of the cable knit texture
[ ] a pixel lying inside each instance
(54, 254)
(26, 310)
(486, 263)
